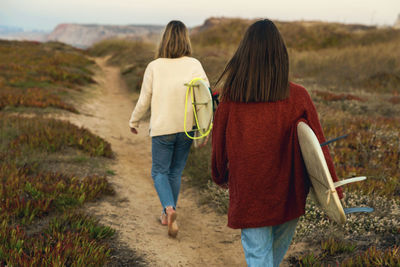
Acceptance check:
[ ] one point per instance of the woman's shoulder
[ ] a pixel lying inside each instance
(154, 62)
(298, 92)
(151, 64)
(297, 88)
(192, 60)
(185, 60)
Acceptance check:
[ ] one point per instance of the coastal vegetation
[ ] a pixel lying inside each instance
(49, 168)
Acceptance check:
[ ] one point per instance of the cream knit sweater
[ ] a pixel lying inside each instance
(163, 89)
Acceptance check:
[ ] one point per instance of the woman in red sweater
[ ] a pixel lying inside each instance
(255, 151)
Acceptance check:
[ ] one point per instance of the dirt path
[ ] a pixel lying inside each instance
(203, 239)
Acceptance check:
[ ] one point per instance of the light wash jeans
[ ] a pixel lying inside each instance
(266, 246)
(169, 155)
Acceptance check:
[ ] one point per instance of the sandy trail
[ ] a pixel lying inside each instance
(203, 239)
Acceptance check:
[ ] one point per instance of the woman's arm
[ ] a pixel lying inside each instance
(144, 101)
(219, 163)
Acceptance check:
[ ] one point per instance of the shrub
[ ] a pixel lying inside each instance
(375, 257)
(74, 245)
(39, 75)
(32, 97)
(372, 149)
(334, 246)
(329, 96)
(26, 196)
(50, 135)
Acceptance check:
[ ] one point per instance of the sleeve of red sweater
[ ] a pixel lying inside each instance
(313, 121)
(219, 159)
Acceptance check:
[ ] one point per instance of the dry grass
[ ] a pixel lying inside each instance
(374, 68)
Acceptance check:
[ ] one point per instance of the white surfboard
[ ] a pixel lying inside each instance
(202, 103)
(323, 191)
(323, 188)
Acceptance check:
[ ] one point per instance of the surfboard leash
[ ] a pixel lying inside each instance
(190, 87)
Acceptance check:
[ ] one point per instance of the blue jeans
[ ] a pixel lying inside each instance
(266, 246)
(169, 155)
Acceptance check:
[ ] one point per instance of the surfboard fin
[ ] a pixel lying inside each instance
(358, 209)
(334, 139)
(349, 180)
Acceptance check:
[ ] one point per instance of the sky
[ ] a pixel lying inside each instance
(46, 14)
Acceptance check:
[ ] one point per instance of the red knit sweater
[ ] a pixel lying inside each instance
(255, 151)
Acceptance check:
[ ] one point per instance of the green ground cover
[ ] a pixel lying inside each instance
(48, 168)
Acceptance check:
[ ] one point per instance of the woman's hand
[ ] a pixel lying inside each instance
(134, 131)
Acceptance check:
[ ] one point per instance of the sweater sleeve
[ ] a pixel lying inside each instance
(144, 101)
(313, 121)
(219, 163)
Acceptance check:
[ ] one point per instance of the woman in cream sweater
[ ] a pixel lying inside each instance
(163, 89)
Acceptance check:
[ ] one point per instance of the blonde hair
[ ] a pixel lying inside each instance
(175, 41)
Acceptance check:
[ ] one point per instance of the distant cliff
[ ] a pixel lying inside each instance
(85, 35)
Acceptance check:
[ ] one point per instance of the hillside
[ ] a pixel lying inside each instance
(300, 35)
(81, 35)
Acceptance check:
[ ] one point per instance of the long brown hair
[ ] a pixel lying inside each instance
(259, 69)
(175, 41)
